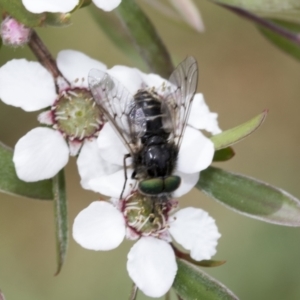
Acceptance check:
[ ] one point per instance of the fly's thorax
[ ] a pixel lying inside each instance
(146, 215)
(156, 159)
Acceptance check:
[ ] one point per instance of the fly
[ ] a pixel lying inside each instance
(150, 123)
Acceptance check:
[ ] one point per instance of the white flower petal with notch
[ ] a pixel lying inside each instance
(76, 65)
(128, 77)
(201, 117)
(40, 154)
(112, 185)
(196, 231)
(196, 152)
(152, 266)
(111, 146)
(100, 226)
(188, 181)
(26, 84)
(91, 165)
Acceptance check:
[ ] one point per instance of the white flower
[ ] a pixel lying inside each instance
(59, 6)
(196, 151)
(73, 118)
(151, 261)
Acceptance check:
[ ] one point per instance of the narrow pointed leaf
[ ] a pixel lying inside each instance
(224, 154)
(284, 44)
(250, 197)
(11, 184)
(280, 9)
(190, 13)
(192, 284)
(236, 134)
(145, 38)
(61, 218)
(111, 26)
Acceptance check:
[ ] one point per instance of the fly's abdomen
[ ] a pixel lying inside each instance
(151, 107)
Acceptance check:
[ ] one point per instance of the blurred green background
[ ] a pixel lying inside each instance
(241, 74)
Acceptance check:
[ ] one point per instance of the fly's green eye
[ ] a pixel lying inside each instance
(172, 183)
(155, 186)
(152, 186)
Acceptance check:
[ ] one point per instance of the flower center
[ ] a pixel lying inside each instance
(147, 215)
(76, 114)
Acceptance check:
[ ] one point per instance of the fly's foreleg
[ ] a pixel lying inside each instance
(125, 173)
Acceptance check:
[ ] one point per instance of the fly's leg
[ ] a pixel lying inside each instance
(125, 173)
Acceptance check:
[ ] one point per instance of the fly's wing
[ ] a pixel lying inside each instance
(179, 96)
(118, 106)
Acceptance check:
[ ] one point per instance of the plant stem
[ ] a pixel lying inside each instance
(43, 55)
(293, 37)
(133, 292)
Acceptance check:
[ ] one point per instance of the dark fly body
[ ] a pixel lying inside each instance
(151, 123)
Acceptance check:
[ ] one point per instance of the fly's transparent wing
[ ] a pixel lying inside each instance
(118, 106)
(180, 94)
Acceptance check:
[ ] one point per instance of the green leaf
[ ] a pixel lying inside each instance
(284, 44)
(61, 218)
(11, 184)
(145, 38)
(250, 197)
(57, 19)
(283, 9)
(224, 154)
(234, 135)
(192, 284)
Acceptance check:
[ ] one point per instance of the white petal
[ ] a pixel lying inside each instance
(27, 85)
(129, 77)
(40, 154)
(46, 117)
(112, 185)
(201, 118)
(152, 80)
(188, 181)
(74, 147)
(100, 226)
(39, 6)
(107, 5)
(76, 65)
(196, 231)
(196, 152)
(91, 165)
(152, 266)
(111, 146)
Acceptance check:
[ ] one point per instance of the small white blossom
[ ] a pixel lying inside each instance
(58, 6)
(73, 118)
(152, 222)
